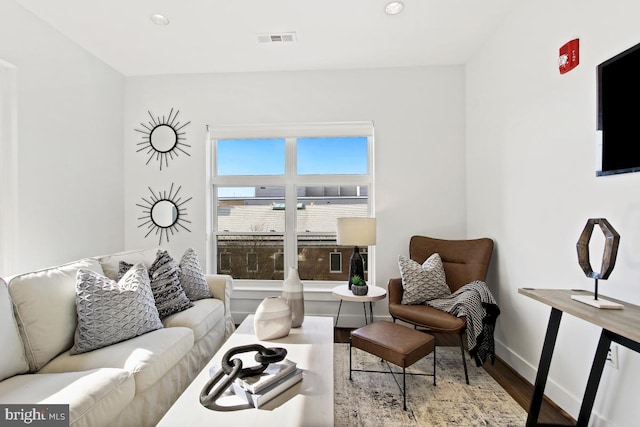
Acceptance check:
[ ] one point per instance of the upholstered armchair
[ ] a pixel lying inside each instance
(464, 261)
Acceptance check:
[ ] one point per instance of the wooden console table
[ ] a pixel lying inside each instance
(620, 326)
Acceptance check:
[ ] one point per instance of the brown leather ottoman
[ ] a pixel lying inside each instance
(392, 342)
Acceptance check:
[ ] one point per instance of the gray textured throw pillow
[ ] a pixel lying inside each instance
(165, 285)
(192, 277)
(424, 282)
(110, 312)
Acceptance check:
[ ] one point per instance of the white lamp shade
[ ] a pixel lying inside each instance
(356, 231)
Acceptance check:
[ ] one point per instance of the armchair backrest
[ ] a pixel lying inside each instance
(464, 260)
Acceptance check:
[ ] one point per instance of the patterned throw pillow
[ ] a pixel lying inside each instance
(424, 282)
(123, 267)
(110, 312)
(192, 277)
(165, 285)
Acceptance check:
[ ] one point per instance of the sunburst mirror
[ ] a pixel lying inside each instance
(163, 213)
(163, 138)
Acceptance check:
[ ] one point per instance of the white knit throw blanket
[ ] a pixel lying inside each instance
(474, 300)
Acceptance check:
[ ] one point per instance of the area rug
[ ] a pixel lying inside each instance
(374, 399)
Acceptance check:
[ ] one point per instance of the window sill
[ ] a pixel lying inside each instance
(259, 290)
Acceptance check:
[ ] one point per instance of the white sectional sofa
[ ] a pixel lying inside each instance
(129, 383)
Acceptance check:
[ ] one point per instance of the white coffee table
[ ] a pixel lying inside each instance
(308, 403)
(375, 293)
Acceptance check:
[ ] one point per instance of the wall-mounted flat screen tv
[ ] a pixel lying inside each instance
(619, 112)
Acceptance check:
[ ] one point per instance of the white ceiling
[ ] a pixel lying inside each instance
(206, 36)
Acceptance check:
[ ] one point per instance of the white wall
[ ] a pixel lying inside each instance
(531, 185)
(70, 168)
(529, 179)
(418, 116)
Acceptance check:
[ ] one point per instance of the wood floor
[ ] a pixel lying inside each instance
(520, 389)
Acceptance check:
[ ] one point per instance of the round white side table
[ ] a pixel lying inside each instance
(343, 293)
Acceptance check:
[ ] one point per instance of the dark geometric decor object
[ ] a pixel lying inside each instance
(612, 240)
(162, 138)
(163, 213)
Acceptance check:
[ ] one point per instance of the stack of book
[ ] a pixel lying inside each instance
(274, 380)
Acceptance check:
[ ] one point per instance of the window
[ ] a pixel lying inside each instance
(225, 262)
(277, 192)
(278, 262)
(252, 262)
(335, 262)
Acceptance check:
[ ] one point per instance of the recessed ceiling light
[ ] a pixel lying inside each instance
(394, 7)
(159, 19)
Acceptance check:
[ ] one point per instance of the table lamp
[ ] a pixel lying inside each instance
(356, 231)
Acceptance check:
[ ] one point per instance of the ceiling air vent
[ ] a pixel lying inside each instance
(277, 38)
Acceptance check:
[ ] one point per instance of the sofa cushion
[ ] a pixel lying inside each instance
(12, 359)
(192, 278)
(111, 263)
(94, 397)
(424, 282)
(165, 284)
(147, 356)
(45, 308)
(110, 311)
(201, 318)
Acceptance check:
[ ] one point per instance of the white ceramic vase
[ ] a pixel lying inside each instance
(272, 319)
(293, 293)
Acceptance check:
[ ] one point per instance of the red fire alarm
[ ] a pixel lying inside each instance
(569, 56)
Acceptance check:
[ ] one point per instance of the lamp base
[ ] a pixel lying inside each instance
(599, 303)
(356, 266)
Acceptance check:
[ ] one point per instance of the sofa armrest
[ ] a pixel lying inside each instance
(221, 287)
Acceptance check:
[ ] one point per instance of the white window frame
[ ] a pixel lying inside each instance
(290, 180)
(8, 168)
(365, 255)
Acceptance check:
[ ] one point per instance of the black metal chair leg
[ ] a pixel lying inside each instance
(350, 367)
(434, 365)
(404, 386)
(464, 360)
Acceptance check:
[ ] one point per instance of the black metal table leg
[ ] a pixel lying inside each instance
(338, 316)
(543, 367)
(594, 379)
(364, 307)
(370, 312)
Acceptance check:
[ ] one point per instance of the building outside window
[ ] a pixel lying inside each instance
(277, 192)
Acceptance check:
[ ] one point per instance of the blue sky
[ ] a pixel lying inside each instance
(347, 155)
(344, 155)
